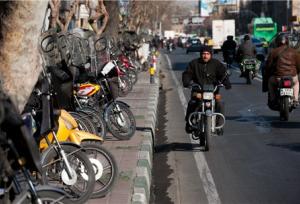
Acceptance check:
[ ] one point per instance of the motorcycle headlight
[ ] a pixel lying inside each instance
(208, 95)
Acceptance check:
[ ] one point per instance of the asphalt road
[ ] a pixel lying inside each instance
(257, 160)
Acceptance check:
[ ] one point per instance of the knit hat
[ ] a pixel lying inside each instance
(206, 48)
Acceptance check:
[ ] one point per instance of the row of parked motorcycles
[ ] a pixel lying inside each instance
(54, 154)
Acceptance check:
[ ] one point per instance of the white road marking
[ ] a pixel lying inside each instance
(203, 169)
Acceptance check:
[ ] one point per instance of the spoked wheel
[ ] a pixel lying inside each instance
(125, 86)
(80, 185)
(132, 76)
(84, 122)
(46, 196)
(97, 120)
(120, 120)
(105, 167)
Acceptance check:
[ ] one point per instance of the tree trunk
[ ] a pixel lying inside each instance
(20, 62)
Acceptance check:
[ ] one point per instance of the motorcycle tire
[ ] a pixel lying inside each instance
(45, 196)
(54, 176)
(108, 170)
(133, 76)
(116, 113)
(207, 132)
(248, 77)
(97, 120)
(126, 88)
(84, 122)
(284, 108)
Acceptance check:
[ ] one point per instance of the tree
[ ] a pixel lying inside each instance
(20, 63)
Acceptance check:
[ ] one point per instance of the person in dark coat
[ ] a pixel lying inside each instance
(204, 70)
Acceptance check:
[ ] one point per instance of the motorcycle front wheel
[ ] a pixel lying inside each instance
(120, 120)
(125, 86)
(80, 187)
(207, 132)
(105, 166)
(46, 196)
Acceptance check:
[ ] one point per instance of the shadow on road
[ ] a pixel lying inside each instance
(290, 146)
(161, 168)
(179, 66)
(176, 147)
(285, 125)
(262, 120)
(239, 83)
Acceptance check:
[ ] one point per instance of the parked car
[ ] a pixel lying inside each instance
(193, 45)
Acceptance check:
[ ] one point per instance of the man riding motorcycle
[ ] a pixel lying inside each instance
(246, 50)
(228, 48)
(282, 61)
(204, 70)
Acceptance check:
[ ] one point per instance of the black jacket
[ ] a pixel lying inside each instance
(202, 73)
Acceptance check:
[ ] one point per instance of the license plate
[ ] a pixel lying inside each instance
(208, 96)
(107, 68)
(286, 92)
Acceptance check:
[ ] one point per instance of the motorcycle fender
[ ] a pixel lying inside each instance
(208, 113)
(79, 136)
(123, 103)
(62, 145)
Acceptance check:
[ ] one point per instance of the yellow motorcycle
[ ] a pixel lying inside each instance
(103, 162)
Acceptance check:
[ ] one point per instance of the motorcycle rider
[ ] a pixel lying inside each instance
(282, 61)
(170, 44)
(246, 50)
(228, 47)
(204, 70)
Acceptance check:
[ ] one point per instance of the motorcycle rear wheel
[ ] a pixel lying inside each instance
(248, 77)
(96, 119)
(84, 122)
(284, 108)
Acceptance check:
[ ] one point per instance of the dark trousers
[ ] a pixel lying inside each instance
(192, 105)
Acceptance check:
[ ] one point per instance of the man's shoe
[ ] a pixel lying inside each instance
(220, 132)
(188, 128)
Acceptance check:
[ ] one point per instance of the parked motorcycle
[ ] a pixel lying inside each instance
(116, 114)
(103, 162)
(64, 164)
(19, 157)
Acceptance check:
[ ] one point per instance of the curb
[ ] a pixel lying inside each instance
(142, 180)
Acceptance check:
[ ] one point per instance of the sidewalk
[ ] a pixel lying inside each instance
(134, 157)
